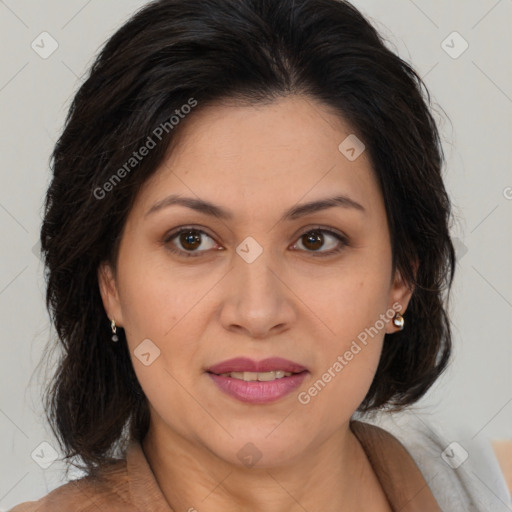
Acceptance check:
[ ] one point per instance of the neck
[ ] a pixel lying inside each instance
(325, 478)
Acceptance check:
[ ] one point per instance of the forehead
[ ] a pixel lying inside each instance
(262, 156)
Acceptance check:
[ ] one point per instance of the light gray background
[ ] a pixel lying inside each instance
(475, 91)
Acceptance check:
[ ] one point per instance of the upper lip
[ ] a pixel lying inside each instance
(244, 364)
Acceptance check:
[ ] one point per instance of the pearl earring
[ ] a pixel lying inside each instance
(115, 337)
(399, 321)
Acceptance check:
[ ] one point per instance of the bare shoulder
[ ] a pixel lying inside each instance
(109, 490)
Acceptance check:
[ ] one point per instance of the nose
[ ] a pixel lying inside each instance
(258, 302)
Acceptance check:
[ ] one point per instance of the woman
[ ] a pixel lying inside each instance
(246, 240)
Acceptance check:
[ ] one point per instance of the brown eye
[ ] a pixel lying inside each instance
(190, 240)
(187, 241)
(315, 239)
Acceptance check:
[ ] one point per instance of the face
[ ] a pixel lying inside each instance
(269, 279)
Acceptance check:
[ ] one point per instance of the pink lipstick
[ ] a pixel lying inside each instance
(257, 382)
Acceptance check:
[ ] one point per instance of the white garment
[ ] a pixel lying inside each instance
(466, 478)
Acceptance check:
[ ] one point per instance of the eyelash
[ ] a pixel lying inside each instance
(187, 254)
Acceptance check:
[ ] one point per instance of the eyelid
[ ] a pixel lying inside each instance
(340, 236)
(319, 227)
(178, 231)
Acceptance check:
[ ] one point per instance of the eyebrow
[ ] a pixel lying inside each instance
(293, 213)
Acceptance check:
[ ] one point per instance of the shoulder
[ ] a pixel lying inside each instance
(453, 464)
(107, 491)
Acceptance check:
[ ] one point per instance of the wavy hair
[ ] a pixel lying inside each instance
(250, 51)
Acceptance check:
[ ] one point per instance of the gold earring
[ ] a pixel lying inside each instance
(398, 321)
(115, 337)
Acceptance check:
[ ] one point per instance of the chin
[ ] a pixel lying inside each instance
(256, 448)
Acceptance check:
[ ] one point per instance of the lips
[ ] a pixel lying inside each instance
(257, 382)
(244, 364)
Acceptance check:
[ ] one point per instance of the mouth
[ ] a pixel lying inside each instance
(258, 376)
(257, 382)
(248, 369)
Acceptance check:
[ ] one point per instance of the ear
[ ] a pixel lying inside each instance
(399, 297)
(109, 293)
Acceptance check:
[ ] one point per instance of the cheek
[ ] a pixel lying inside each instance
(170, 307)
(347, 363)
(351, 308)
(349, 298)
(155, 297)
(160, 308)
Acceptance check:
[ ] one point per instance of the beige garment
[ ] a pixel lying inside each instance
(130, 486)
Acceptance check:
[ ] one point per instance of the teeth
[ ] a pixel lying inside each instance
(260, 376)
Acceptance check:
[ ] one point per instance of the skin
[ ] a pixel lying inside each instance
(257, 162)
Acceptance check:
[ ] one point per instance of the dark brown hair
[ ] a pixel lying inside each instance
(176, 52)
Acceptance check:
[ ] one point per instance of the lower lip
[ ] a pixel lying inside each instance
(258, 392)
